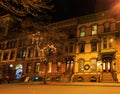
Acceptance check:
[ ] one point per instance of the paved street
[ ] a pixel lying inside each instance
(59, 89)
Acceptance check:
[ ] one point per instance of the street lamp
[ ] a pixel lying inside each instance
(48, 50)
(10, 79)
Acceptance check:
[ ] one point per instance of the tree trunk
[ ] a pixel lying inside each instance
(46, 73)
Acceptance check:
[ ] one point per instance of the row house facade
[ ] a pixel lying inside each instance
(92, 51)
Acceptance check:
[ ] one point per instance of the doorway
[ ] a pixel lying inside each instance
(107, 64)
(70, 66)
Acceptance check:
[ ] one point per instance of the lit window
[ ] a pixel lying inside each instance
(37, 67)
(21, 53)
(93, 66)
(58, 66)
(82, 31)
(110, 42)
(49, 66)
(94, 29)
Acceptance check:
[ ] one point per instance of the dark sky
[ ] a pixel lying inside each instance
(66, 9)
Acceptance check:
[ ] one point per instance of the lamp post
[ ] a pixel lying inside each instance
(48, 50)
(10, 79)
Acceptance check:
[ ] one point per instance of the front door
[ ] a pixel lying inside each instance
(107, 64)
(69, 66)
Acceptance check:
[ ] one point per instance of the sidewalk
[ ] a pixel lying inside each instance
(75, 84)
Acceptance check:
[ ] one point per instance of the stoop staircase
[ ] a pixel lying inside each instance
(107, 78)
(66, 77)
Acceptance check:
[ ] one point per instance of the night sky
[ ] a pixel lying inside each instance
(66, 9)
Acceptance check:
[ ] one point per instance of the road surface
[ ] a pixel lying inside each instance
(56, 89)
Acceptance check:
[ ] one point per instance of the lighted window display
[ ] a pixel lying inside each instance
(94, 29)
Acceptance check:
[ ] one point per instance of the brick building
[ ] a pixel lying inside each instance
(92, 51)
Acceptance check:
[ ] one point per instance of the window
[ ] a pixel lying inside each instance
(5, 57)
(94, 29)
(71, 47)
(58, 66)
(107, 27)
(12, 55)
(94, 45)
(104, 43)
(20, 43)
(93, 66)
(28, 69)
(21, 53)
(110, 42)
(30, 52)
(49, 66)
(82, 31)
(82, 47)
(81, 65)
(37, 67)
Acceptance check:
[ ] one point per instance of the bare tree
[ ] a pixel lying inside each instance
(23, 7)
(59, 39)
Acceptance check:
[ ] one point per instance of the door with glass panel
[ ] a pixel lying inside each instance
(107, 64)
